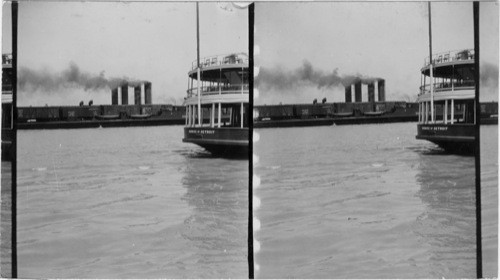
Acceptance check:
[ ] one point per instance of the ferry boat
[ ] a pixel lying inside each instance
(223, 96)
(7, 107)
(447, 101)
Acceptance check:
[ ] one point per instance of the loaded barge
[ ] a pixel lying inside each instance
(334, 114)
(353, 111)
(56, 117)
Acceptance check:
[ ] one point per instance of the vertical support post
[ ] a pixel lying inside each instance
(452, 111)
(446, 111)
(432, 94)
(199, 98)
(212, 116)
(241, 114)
(219, 115)
(198, 61)
(463, 111)
(193, 112)
(426, 112)
(422, 112)
(191, 115)
(431, 63)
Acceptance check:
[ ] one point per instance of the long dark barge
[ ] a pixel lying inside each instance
(61, 117)
(292, 115)
(99, 123)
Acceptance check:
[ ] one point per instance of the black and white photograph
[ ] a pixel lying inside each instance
(132, 139)
(242, 140)
(360, 176)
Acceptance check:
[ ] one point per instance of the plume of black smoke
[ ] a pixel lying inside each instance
(72, 77)
(306, 75)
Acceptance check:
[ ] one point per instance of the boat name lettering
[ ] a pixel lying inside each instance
(440, 128)
(200, 131)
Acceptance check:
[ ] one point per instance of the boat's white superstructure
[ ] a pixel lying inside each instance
(447, 100)
(217, 104)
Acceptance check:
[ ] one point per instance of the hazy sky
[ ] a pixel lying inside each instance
(157, 42)
(146, 41)
(378, 39)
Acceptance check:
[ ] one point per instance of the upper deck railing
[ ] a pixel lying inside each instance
(7, 59)
(237, 58)
(447, 86)
(450, 56)
(214, 90)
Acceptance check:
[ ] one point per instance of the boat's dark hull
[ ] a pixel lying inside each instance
(222, 141)
(456, 138)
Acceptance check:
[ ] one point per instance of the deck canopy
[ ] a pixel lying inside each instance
(230, 74)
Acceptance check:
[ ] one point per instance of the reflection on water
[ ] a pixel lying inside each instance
(217, 193)
(447, 227)
(128, 203)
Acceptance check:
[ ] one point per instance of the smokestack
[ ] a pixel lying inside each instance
(125, 94)
(357, 91)
(348, 94)
(147, 93)
(381, 90)
(371, 92)
(114, 96)
(137, 95)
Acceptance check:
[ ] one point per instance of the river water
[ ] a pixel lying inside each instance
(128, 203)
(365, 201)
(369, 201)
